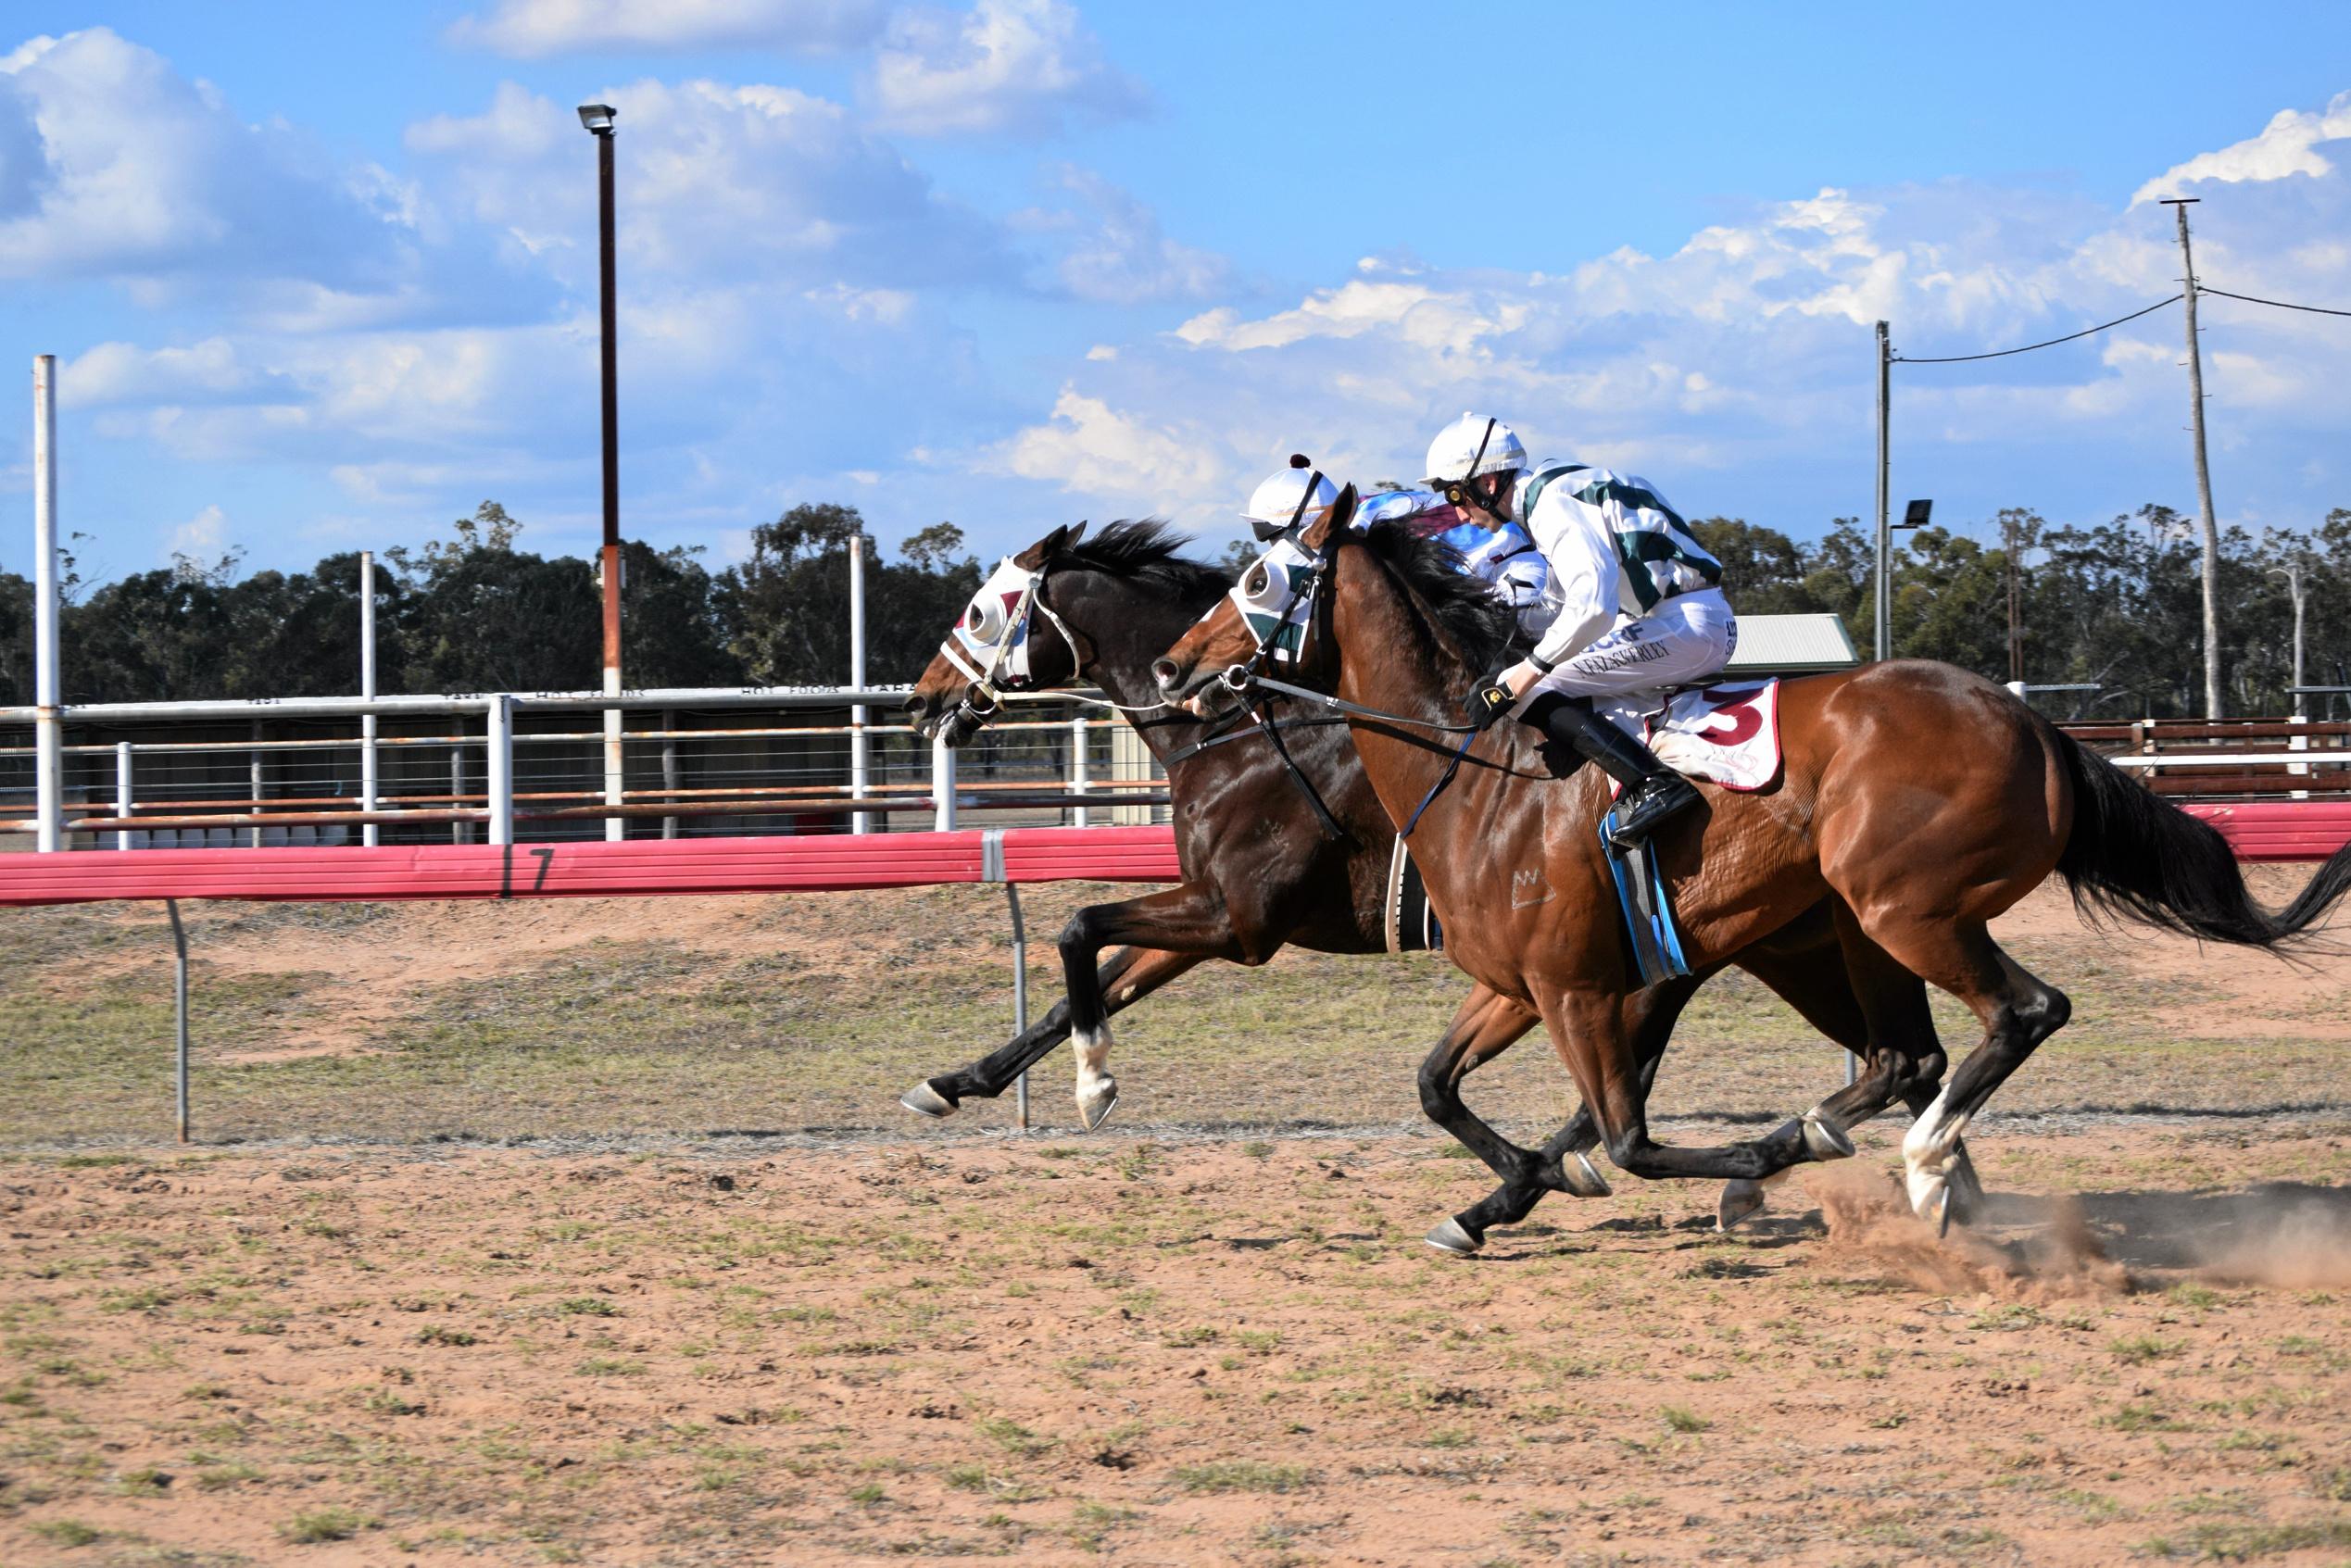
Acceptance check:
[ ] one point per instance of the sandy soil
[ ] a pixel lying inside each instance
(1173, 1352)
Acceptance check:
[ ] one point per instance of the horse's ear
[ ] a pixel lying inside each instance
(1342, 512)
(1075, 533)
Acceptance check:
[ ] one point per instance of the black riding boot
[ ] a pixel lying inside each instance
(1653, 792)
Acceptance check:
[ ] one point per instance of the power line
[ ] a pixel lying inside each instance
(2086, 332)
(2279, 304)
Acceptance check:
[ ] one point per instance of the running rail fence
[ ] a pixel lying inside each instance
(504, 767)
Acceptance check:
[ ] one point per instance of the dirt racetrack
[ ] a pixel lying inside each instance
(728, 1304)
(1205, 1351)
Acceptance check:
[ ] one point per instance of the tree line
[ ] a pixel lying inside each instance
(477, 613)
(2115, 606)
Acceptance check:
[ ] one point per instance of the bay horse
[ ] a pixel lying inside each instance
(1263, 870)
(1919, 801)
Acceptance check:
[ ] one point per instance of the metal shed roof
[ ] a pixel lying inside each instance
(1792, 644)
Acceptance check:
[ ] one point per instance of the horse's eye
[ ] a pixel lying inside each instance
(1259, 581)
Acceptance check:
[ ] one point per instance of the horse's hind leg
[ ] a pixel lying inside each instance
(1126, 978)
(2018, 1010)
(1191, 919)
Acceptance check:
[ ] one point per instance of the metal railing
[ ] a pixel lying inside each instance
(794, 759)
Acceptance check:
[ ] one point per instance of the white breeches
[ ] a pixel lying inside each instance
(1685, 640)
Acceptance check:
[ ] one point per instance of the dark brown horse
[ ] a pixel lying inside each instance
(1919, 801)
(1263, 870)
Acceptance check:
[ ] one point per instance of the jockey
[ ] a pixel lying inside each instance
(1503, 555)
(1635, 607)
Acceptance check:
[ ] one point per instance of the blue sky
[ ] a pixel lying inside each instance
(323, 278)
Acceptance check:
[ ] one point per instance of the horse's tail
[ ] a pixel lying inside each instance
(2134, 854)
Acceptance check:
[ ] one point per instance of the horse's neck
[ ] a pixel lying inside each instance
(1129, 629)
(1390, 658)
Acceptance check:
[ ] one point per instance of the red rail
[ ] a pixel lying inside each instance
(2257, 830)
(831, 862)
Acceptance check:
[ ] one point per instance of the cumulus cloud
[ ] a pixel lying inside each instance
(1737, 367)
(2287, 145)
(1020, 68)
(722, 182)
(1089, 448)
(536, 28)
(203, 538)
(132, 171)
(1117, 254)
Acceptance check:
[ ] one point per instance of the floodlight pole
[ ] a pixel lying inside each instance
(49, 719)
(1882, 611)
(2204, 470)
(597, 118)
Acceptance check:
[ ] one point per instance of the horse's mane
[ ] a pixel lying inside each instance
(1463, 606)
(1146, 547)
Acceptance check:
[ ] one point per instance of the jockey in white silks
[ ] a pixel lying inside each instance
(1635, 607)
(1503, 556)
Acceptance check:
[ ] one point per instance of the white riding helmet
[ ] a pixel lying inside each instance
(1455, 453)
(1273, 504)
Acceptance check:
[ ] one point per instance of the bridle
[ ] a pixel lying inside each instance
(1255, 689)
(997, 666)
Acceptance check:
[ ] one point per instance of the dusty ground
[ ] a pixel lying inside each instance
(1168, 1352)
(628, 1019)
(725, 1304)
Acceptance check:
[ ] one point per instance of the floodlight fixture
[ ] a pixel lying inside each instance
(597, 117)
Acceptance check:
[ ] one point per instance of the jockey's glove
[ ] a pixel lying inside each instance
(1490, 703)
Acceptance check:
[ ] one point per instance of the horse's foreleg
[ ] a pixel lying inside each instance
(1189, 921)
(1485, 1025)
(1560, 1165)
(1125, 977)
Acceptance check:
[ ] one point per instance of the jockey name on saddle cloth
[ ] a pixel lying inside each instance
(1727, 735)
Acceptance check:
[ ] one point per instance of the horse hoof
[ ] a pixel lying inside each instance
(1943, 1214)
(1453, 1238)
(1930, 1197)
(1581, 1178)
(1739, 1199)
(1824, 1139)
(1966, 1191)
(923, 1101)
(1095, 1109)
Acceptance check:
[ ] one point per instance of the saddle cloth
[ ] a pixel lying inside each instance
(1727, 735)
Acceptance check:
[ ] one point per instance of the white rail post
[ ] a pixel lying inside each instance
(48, 724)
(860, 822)
(501, 769)
(122, 791)
(252, 839)
(459, 832)
(1079, 764)
(942, 784)
(368, 835)
(669, 768)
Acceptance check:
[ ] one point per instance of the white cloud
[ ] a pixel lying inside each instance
(1122, 257)
(203, 538)
(722, 182)
(1088, 447)
(1006, 66)
(2287, 145)
(536, 28)
(132, 171)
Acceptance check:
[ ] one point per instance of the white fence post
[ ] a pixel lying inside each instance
(368, 792)
(501, 769)
(860, 822)
(122, 791)
(48, 724)
(1079, 763)
(942, 784)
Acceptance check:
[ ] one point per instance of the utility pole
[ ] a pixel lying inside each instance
(1882, 610)
(2291, 573)
(2180, 204)
(596, 118)
(2009, 539)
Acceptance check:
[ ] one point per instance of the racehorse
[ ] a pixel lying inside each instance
(1920, 800)
(1265, 866)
